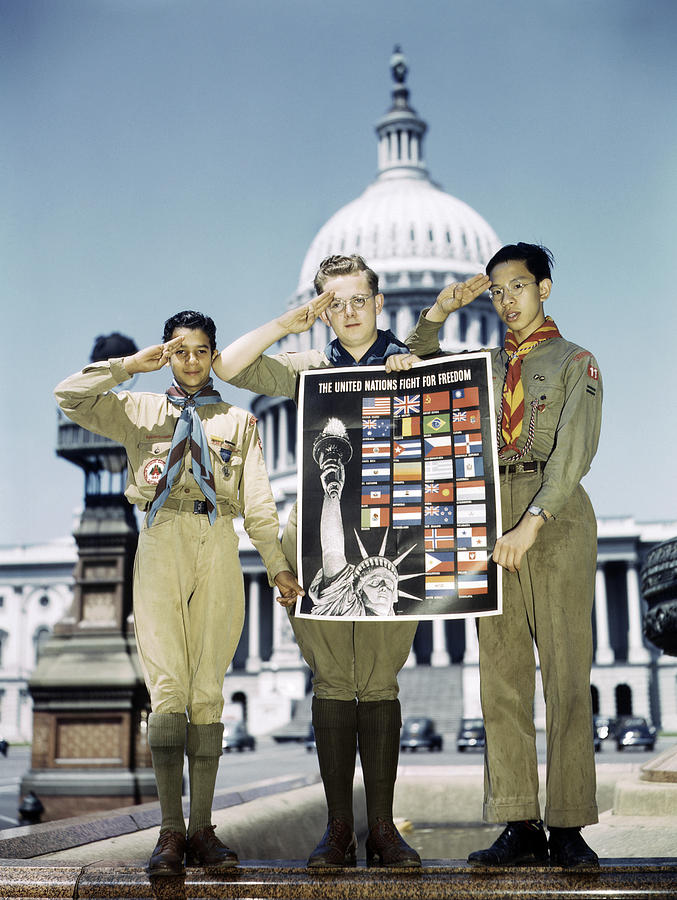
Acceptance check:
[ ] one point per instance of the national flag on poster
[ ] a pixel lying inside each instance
(469, 467)
(472, 560)
(465, 443)
(465, 397)
(465, 419)
(439, 492)
(440, 587)
(439, 562)
(375, 449)
(470, 490)
(375, 518)
(375, 406)
(407, 449)
(471, 536)
(439, 469)
(439, 538)
(406, 471)
(472, 583)
(437, 446)
(438, 402)
(406, 495)
(376, 472)
(406, 515)
(406, 426)
(471, 512)
(439, 515)
(407, 405)
(375, 496)
(436, 424)
(375, 427)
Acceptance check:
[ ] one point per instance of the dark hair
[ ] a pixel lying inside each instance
(332, 266)
(537, 258)
(191, 319)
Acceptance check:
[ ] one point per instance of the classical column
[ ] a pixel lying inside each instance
(440, 656)
(637, 652)
(253, 663)
(472, 647)
(449, 336)
(604, 655)
(282, 438)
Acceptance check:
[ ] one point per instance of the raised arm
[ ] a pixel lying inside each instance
(246, 349)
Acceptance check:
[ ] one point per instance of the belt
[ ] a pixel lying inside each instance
(198, 507)
(513, 468)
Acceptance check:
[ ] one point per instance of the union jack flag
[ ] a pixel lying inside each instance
(459, 415)
(407, 405)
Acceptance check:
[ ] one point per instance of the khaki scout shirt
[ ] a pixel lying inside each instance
(565, 382)
(277, 376)
(144, 424)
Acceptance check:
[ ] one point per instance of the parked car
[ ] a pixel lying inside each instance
(604, 727)
(470, 735)
(236, 737)
(418, 733)
(633, 731)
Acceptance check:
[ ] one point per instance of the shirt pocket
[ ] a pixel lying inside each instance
(226, 460)
(152, 459)
(548, 400)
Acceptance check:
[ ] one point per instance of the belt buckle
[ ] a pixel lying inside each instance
(200, 507)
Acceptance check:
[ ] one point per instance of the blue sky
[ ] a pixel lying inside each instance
(161, 154)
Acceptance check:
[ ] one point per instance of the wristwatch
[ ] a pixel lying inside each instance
(538, 511)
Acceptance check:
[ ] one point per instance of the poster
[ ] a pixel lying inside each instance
(399, 504)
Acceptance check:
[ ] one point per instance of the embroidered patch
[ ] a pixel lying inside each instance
(593, 372)
(158, 437)
(153, 470)
(582, 355)
(252, 419)
(591, 390)
(220, 442)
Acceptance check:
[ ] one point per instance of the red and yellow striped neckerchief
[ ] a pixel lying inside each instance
(512, 403)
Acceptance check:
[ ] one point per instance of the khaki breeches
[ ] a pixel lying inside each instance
(349, 659)
(549, 603)
(188, 611)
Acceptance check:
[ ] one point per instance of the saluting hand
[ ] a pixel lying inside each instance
(457, 295)
(300, 319)
(152, 358)
(288, 587)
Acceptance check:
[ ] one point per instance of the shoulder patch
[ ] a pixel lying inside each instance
(582, 355)
(593, 372)
(252, 419)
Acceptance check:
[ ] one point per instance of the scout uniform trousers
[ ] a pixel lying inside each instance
(188, 611)
(349, 659)
(549, 602)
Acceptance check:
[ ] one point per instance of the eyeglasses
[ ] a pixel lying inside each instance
(515, 289)
(337, 305)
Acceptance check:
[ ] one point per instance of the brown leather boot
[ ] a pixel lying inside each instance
(392, 850)
(338, 846)
(206, 850)
(167, 857)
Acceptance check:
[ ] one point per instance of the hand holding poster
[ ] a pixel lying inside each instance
(398, 494)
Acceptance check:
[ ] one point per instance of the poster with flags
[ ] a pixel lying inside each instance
(399, 505)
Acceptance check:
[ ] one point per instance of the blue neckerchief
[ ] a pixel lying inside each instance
(385, 345)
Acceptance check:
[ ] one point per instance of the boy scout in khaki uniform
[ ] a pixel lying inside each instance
(350, 660)
(194, 463)
(548, 395)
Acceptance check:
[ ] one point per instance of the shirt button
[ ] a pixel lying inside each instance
(186, 490)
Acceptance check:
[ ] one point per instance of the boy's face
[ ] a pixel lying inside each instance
(523, 314)
(355, 328)
(192, 362)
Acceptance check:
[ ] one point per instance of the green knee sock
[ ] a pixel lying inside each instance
(167, 741)
(335, 727)
(378, 731)
(204, 748)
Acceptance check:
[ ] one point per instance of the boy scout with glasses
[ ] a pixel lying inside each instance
(350, 661)
(548, 395)
(194, 463)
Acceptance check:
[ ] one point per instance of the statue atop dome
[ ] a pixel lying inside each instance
(398, 65)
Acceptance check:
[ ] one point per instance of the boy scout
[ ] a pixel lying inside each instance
(194, 462)
(548, 395)
(349, 660)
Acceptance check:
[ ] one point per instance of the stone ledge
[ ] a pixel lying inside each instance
(438, 880)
